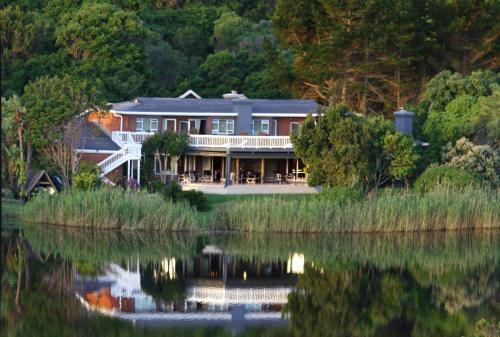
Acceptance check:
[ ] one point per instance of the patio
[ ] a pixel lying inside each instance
(218, 188)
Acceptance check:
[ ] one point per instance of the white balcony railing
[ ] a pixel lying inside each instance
(212, 141)
(245, 142)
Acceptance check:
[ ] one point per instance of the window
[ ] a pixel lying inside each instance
(153, 125)
(146, 124)
(294, 127)
(184, 127)
(260, 126)
(138, 124)
(222, 126)
(169, 124)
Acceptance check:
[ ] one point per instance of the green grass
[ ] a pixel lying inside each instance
(439, 210)
(387, 212)
(11, 209)
(111, 209)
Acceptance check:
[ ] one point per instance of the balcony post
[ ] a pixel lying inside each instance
(262, 171)
(228, 170)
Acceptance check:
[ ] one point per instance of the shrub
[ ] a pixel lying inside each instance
(171, 191)
(479, 159)
(155, 186)
(342, 194)
(196, 199)
(87, 177)
(436, 177)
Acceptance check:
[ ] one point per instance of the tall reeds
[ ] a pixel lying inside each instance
(111, 209)
(439, 210)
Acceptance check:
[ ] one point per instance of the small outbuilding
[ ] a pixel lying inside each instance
(37, 180)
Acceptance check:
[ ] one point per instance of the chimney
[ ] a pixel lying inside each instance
(234, 95)
(404, 121)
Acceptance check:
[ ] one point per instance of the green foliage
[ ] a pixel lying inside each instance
(451, 107)
(195, 199)
(171, 191)
(13, 157)
(87, 177)
(481, 160)
(439, 177)
(485, 328)
(485, 125)
(344, 149)
(333, 147)
(342, 194)
(167, 143)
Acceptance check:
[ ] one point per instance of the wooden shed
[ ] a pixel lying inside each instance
(36, 179)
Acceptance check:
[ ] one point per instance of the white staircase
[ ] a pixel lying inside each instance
(130, 149)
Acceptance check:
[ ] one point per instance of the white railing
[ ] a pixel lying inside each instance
(128, 152)
(245, 142)
(238, 295)
(123, 138)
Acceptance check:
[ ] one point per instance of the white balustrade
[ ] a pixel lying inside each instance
(245, 142)
(123, 138)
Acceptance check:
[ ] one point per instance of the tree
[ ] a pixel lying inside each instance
(485, 125)
(333, 147)
(14, 148)
(402, 154)
(55, 110)
(166, 148)
(106, 45)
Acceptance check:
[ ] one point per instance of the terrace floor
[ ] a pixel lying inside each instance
(218, 188)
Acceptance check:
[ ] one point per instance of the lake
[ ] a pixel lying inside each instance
(62, 282)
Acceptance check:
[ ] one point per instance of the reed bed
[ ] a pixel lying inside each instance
(111, 209)
(439, 210)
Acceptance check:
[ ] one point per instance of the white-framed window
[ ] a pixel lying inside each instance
(222, 126)
(294, 127)
(184, 126)
(139, 124)
(146, 124)
(260, 126)
(153, 125)
(170, 124)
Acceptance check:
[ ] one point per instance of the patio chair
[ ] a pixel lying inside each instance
(278, 178)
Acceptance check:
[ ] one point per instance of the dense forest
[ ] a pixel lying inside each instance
(372, 56)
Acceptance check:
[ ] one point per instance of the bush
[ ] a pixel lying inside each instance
(196, 199)
(342, 194)
(87, 177)
(438, 177)
(172, 191)
(155, 186)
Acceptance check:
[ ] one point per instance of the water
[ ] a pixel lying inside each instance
(104, 283)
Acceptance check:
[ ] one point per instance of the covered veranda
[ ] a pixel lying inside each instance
(231, 168)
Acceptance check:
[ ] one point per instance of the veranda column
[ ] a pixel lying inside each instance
(287, 169)
(223, 173)
(297, 169)
(228, 170)
(185, 163)
(262, 171)
(128, 170)
(237, 170)
(139, 172)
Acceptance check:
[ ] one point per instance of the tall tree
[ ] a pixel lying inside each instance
(54, 115)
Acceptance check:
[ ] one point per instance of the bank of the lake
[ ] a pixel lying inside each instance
(387, 212)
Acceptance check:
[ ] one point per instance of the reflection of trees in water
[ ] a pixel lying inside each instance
(159, 286)
(369, 302)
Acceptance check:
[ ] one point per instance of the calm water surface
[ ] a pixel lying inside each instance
(60, 282)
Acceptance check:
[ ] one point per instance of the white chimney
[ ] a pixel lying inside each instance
(234, 95)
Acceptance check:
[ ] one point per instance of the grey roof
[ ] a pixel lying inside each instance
(275, 106)
(93, 138)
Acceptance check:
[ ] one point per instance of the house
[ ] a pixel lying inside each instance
(232, 140)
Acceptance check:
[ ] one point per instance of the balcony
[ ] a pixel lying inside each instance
(212, 141)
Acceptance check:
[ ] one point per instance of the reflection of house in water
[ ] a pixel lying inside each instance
(216, 288)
